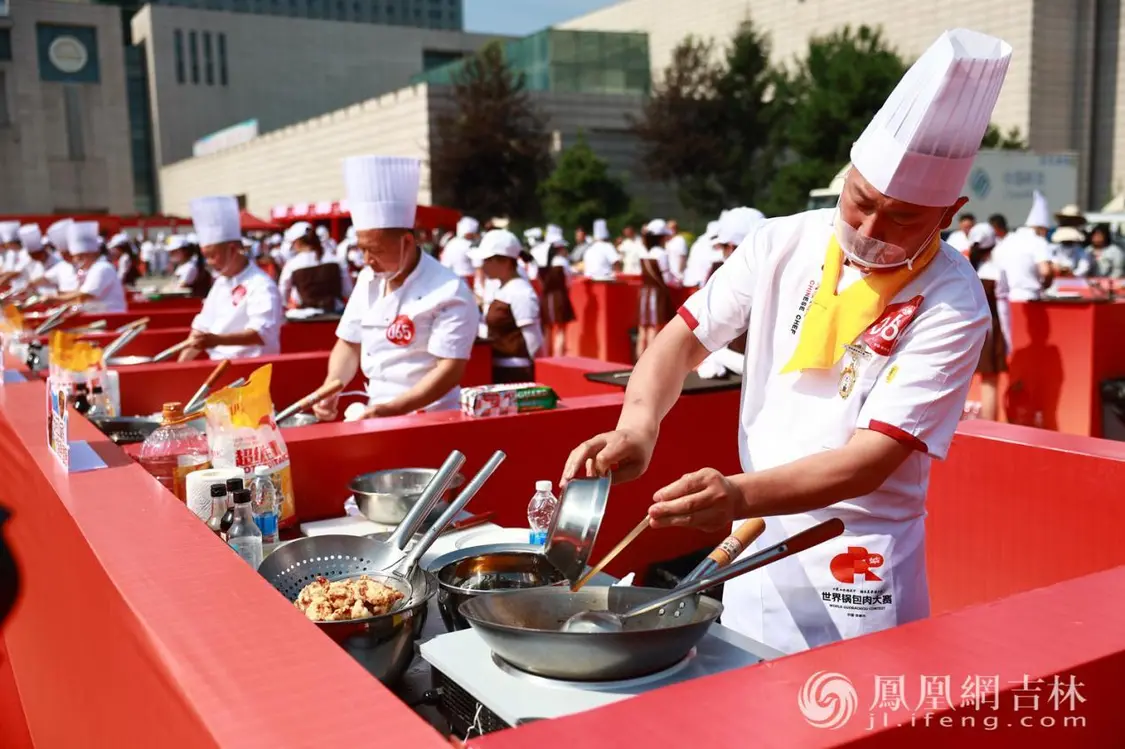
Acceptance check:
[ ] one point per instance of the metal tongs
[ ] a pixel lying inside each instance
(326, 390)
(54, 320)
(121, 341)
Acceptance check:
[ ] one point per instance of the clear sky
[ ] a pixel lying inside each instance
(521, 17)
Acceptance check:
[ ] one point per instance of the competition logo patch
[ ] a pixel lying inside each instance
(401, 331)
(856, 561)
(883, 334)
(237, 294)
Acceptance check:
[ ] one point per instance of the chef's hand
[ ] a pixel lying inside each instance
(328, 408)
(200, 340)
(705, 499)
(624, 452)
(375, 411)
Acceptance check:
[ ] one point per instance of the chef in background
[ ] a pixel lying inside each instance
(1025, 254)
(601, 260)
(863, 332)
(552, 263)
(998, 343)
(959, 240)
(701, 256)
(10, 254)
(632, 250)
(455, 254)
(677, 249)
(313, 278)
(512, 316)
(410, 323)
(655, 301)
(123, 257)
(100, 289)
(62, 276)
(242, 314)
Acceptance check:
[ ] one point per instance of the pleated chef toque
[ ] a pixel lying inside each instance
(59, 232)
(1040, 216)
(601, 230)
(82, 238)
(31, 238)
(9, 231)
(216, 220)
(382, 191)
(920, 146)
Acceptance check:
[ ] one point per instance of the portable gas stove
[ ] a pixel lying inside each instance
(483, 693)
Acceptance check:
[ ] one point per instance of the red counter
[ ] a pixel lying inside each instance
(165, 303)
(1062, 351)
(606, 311)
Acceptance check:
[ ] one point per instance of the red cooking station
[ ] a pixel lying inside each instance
(1021, 584)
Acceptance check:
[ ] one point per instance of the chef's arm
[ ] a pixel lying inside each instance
(656, 381)
(434, 384)
(241, 338)
(822, 479)
(343, 362)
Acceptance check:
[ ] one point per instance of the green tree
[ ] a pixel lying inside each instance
(827, 102)
(491, 149)
(706, 128)
(1012, 140)
(581, 189)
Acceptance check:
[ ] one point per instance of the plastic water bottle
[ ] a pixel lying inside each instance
(266, 506)
(540, 511)
(244, 536)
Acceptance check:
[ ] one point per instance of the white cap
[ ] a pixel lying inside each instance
(216, 220)
(382, 191)
(9, 231)
(82, 238)
(1067, 234)
(658, 227)
(177, 242)
(920, 146)
(30, 237)
(713, 227)
(58, 233)
(296, 231)
(544, 486)
(736, 224)
(322, 232)
(1040, 216)
(554, 235)
(117, 240)
(497, 243)
(193, 238)
(983, 235)
(601, 229)
(467, 225)
(534, 234)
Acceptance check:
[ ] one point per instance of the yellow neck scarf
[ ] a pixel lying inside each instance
(835, 320)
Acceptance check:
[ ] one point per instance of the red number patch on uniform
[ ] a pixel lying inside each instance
(401, 331)
(237, 294)
(882, 335)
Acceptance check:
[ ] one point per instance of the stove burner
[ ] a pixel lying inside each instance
(594, 686)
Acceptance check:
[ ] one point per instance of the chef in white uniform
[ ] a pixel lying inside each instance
(677, 250)
(701, 256)
(856, 372)
(30, 273)
(99, 289)
(60, 277)
(242, 314)
(9, 251)
(455, 254)
(600, 260)
(1025, 254)
(959, 240)
(411, 322)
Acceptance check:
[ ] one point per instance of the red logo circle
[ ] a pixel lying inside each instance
(237, 294)
(401, 331)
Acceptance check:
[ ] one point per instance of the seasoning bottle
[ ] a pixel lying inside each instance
(244, 536)
(218, 508)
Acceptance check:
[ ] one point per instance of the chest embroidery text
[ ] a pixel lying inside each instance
(810, 291)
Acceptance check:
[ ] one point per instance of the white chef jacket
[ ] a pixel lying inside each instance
(677, 250)
(599, 259)
(455, 256)
(914, 392)
(402, 334)
(101, 282)
(660, 255)
(959, 241)
(991, 270)
(11, 261)
(520, 295)
(307, 259)
(62, 275)
(248, 301)
(187, 272)
(702, 256)
(1019, 254)
(632, 250)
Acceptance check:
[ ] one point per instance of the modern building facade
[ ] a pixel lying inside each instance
(64, 122)
(422, 14)
(1065, 88)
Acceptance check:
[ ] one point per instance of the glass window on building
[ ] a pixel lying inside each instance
(72, 108)
(222, 59)
(193, 54)
(5, 44)
(178, 50)
(208, 60)
(5, 112)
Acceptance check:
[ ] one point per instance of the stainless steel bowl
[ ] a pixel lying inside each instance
(467, 573)
(386, 496)
(575, 524)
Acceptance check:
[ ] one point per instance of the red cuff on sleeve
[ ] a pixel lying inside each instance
(898, 435)
(689, 318)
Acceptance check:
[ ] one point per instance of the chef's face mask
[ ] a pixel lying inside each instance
(379, 264)
(875, 254)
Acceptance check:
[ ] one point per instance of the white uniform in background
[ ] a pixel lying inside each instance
(677, 250)
(905, 376)
(100, 280)
(601, 256)
(660, 255)
(455, 254)
(701, 257)
(631, 251)
(404, 332)
(520, 295)
(959, 241)
(308, 259)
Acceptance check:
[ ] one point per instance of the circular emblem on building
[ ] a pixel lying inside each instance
(68, 54)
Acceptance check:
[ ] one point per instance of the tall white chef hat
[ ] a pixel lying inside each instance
(736, 224)
(382, 191)
(216, 220)
(59, 232)
(601, 230)
(1040, 216)
(9, 231)
(920, 146)
(31, 238)
(467, 225)
(82, 238)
